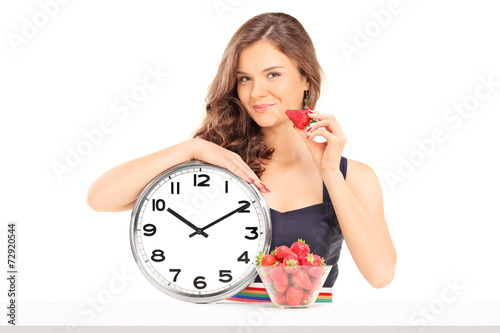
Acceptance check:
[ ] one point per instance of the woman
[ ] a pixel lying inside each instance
(270, 66)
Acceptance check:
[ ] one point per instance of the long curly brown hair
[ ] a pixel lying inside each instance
(227, 123)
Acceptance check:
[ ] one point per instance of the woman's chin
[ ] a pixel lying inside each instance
(274, 125)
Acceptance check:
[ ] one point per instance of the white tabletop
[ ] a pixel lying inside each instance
(260, 314)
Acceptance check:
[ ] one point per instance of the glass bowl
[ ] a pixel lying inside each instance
(293, 286)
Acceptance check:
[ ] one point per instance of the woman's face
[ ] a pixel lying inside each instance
(269, 83)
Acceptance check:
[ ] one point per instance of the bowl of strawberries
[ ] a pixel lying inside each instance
(292, 276)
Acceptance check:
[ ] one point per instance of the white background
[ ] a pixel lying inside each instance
(66, 76)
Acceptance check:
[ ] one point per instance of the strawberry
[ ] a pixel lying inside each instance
(315, 284)
(265, 260)
(318, 260)
(316, 271)
(306, 259)
(294, 295)
(266, 278)
(300, 118)
(281, 252)
(300, 247)
(290, 263)
(290, 256)
(279, 275)
(301, 279)
(279, 298)
(306, 298)
(280, 287)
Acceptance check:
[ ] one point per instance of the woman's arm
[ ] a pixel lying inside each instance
(359, 207)
(357, 201)
(117, 189)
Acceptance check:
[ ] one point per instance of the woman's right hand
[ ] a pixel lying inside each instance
(212, 153)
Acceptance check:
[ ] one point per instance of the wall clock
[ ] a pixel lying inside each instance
(196, 230)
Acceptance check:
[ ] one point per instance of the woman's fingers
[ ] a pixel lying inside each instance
(234, 163)
(328, 121)
(248, 174)
(329, 136)
(320, 132)
(321, 123)
(212, 153)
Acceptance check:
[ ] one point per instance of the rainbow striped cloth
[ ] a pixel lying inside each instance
(256, 292)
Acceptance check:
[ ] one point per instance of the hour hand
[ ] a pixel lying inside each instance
(198, 230)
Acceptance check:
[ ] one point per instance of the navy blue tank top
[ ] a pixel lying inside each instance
(317, 225)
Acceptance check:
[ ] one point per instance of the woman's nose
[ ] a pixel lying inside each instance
(259, 89)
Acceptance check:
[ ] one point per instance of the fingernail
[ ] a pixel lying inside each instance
(308, 137)
(310, 128)
(251, 180)
(265, 188)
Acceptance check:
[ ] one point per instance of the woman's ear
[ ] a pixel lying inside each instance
(305, 83)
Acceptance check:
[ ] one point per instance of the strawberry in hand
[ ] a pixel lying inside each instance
(300, 118)
(326, 155)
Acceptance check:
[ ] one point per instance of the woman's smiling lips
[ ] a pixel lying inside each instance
(262, 107)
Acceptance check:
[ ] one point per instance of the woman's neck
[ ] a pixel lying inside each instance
(288, 146)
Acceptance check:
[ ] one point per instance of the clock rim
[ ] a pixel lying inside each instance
(214, 297)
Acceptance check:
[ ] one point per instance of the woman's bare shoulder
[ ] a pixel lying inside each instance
(358, 172)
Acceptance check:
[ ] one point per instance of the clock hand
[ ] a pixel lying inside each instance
(245, 206)
(198, 230)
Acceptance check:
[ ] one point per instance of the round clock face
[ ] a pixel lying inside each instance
(196, 230)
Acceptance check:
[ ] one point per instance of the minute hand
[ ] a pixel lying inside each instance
(239, 209)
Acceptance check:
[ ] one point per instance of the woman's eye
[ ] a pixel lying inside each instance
(244, 79)
(273, 74)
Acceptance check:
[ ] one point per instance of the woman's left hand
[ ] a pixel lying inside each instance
(327, 154)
